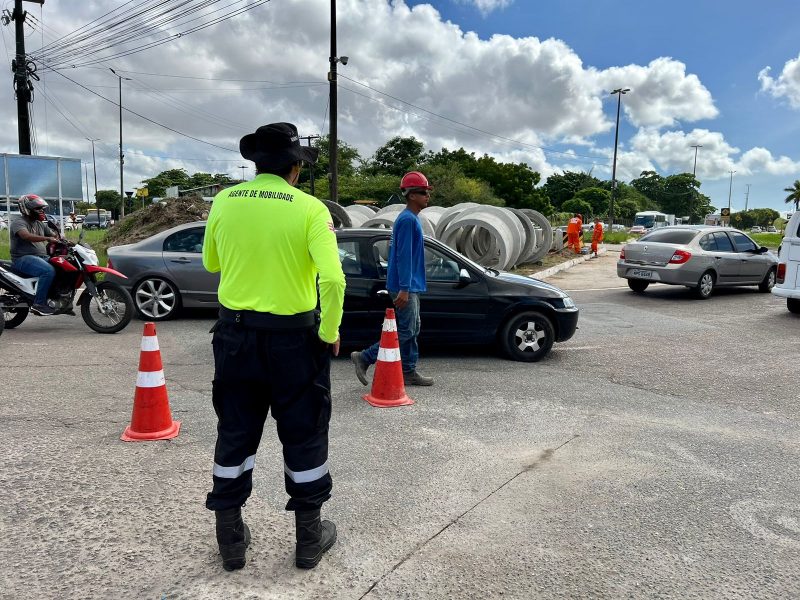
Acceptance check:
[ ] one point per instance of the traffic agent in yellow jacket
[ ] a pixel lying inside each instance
(270, 241)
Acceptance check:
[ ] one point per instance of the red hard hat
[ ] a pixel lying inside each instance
(414, 179)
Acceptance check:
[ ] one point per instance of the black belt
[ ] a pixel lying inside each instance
(268, 321)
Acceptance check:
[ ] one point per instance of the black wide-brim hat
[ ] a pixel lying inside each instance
(276, 144)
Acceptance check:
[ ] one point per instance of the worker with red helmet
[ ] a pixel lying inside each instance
(405, 280)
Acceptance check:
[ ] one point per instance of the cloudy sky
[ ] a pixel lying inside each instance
(522, 80)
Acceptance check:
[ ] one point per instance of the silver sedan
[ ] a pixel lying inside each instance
(698, 257)
(165, 272)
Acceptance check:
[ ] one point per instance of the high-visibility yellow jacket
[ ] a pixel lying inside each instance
(269, 241)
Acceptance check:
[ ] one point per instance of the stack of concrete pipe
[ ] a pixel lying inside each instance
(496, 237)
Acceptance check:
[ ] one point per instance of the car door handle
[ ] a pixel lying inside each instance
(181, 260)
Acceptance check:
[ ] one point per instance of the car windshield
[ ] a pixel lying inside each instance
(644, 220)
(670, 236)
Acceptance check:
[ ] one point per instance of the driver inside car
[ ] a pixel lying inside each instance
(30, 233)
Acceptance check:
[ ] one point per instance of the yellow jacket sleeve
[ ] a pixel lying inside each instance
(325, 254)
(210, 256)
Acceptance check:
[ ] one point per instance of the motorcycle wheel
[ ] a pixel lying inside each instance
(118, 304)
(15, 316)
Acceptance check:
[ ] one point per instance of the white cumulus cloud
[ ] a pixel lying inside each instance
(786, 85)
(487, 6)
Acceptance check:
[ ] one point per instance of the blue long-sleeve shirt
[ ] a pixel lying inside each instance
(406, 270)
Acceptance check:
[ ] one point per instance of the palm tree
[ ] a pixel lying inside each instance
(794, 194)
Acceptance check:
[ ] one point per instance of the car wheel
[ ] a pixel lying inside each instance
(156, 299)
(527, 337)
(768, 283)
(705, 286)
(638, 285)
(793, 304)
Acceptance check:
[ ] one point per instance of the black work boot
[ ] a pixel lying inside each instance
(314, 538)
(233, 537)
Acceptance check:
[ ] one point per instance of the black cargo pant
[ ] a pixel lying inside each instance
(258, 367)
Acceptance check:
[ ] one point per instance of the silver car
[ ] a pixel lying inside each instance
(165, 272)
(699, 257)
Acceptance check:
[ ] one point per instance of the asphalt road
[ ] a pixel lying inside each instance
(654, 455)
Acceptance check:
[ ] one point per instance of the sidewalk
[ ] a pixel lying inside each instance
(586, 272)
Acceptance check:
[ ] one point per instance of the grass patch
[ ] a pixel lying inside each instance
(770, 240)
(96, 238)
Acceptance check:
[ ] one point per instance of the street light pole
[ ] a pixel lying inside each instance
(121, 155)
(746, 196)
(94, 168)
(730, 189)
(694, 171)
(619, 92)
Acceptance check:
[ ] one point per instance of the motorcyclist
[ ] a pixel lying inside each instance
(30, 233)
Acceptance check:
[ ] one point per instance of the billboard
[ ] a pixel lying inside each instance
(54, 178)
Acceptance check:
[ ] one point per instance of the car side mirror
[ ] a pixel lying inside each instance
(763, 250)
(463, 277)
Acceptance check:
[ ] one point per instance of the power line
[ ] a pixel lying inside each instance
(489, 133)
(146, 118)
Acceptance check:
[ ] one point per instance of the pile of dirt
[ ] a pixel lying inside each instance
(156, 218)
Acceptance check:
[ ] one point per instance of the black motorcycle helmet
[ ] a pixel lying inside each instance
(32, 206)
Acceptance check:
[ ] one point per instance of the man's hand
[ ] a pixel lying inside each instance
(334, 347)
(401, 300)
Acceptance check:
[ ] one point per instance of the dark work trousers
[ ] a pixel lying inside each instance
(288, 371)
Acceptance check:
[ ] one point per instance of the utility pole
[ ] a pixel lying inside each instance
(308, 138)
(619, 92)
(333, 151)
(730, 189)
(243, 167)
(23, 88)
(746, 196)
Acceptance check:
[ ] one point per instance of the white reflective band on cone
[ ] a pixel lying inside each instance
(150, 379)
(306, 476)
(389, 325)
(389, 354)
(234, 472)
(149, 343)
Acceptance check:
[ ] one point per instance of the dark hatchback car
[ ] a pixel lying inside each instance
(466, 304)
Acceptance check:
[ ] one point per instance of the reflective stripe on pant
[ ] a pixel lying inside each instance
(289, 372)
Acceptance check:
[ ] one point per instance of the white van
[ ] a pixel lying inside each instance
(788, 277)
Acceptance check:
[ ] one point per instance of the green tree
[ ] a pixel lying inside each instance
(560, 188)
(578, 206)
(794, 194)
(157, 186)
(596, 197)
(625, 208)
(108, 200)
(347, 159)
(397, 156)
(451, 187)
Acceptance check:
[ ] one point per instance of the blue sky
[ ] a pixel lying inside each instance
(725, 43)
(521, 80)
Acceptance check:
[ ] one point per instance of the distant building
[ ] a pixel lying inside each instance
(206, 192)
(715, 219)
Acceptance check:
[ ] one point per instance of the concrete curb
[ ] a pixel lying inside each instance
(565, 265)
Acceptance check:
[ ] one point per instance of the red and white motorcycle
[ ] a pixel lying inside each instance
(105, 306)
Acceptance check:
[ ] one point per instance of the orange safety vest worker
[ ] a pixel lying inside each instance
(574, 227)
(597, 236)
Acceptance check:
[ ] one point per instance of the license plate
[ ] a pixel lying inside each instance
(641, 274)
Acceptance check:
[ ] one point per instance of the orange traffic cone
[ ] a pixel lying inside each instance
(151, 419)
(388, 389)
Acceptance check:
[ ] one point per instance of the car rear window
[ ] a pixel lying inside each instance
(670, 236)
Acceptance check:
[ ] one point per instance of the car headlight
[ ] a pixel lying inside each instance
(568, 302)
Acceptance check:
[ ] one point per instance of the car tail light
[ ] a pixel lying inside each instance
(780, 276)
(680, 257)
(622, 254)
